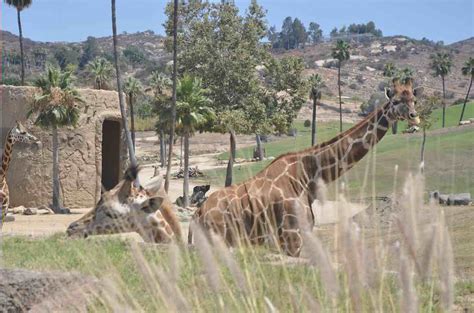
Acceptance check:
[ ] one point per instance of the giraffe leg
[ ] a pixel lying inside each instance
(294, 214)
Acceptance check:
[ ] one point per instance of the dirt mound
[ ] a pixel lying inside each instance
(22, 291)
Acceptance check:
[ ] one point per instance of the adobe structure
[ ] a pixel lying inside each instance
(91, 155)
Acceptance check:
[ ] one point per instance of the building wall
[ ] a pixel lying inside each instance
(80, 155)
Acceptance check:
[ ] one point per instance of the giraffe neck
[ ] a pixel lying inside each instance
(341, 153)
(6, 157)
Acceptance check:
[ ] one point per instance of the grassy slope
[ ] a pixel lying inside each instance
(449, 167)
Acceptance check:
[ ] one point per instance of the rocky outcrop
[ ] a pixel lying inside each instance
(27, 291)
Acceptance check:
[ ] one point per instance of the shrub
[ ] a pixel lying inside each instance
(376, 99)
(354, 86)
(383, 85)
(307, 123)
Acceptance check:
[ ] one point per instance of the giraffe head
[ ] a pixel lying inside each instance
(19, 134)
(125, 208)
(402, 100)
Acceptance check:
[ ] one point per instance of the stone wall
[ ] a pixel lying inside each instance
(29, 175)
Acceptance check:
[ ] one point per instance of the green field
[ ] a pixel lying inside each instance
(448, 157)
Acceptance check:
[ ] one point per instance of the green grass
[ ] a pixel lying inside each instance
(144, 277)
(448, 158)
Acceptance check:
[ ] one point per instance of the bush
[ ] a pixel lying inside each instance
(458, 101)
(383, 85)
(376, 99)
(450, 94)
(307, 123)
(354, 86)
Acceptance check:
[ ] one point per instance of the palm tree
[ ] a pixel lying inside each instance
(441, 63)
(101, 71)
(192, 113)
(20, 5)
(131, 150)
(132, 88)
(316, 83)
(467, 70)
(341, 52)
(159, 82)
(56, 107)
(173, 107)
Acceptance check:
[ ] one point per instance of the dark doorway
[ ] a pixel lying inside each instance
(110, 154)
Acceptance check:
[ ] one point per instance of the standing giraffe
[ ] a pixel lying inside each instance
(269, 204)
(16, 134)
(146, 210)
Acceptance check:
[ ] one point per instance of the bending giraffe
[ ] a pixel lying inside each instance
(266, 206)
(146, 210)
(17, 133)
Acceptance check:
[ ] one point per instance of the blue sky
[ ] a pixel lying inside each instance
(74, 20)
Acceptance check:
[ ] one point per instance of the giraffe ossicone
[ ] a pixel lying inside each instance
(270, 206)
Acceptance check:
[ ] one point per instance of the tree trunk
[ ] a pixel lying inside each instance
(20, 31)
(423, 151)
(230, 164)
(313, 121)
(465, 101)
(395, 128)
(186, 170)
(444, 102)
(259, 148)
(162, 149)
(56, 204)
(340, 100)
(173, 109)
(131, 150)
(132, 121)
(181, 152)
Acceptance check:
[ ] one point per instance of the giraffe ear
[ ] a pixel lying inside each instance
(418, 91)
(388, 93)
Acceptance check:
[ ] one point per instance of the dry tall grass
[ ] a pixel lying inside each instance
(407, 267)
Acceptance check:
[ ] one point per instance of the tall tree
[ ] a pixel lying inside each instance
(316, 83)
(467, 70)
(441, 63)
(132, 89)
(315, 32)
(341, 52)
(299, 34)
(54, 108)
(287, 33)
(131, 150)
(90, 51)
(173, 107)
(272, 36)
(100, 70)
(193, 112)
(20, 5)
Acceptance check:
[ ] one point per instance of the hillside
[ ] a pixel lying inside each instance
(362, 75)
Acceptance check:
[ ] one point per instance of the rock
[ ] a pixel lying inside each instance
(461, 123)
(9, 218)
(370, 69)
(17, 210)
(44, 211)
(22, 291)
(30, 211)
(390, 48)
